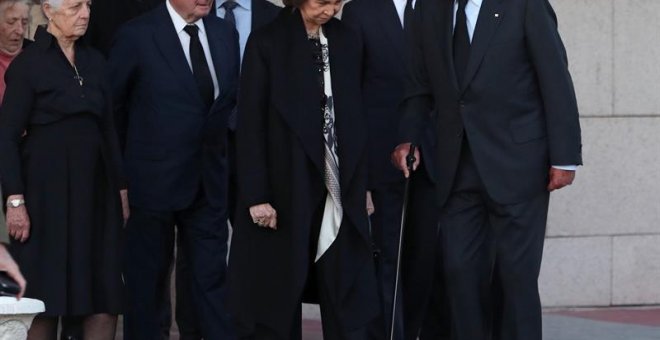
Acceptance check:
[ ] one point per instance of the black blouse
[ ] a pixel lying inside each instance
(43, 88)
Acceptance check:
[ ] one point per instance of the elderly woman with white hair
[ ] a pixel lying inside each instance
(62, 177)
(13, 24)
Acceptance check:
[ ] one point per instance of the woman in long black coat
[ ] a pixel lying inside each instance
(301, 230)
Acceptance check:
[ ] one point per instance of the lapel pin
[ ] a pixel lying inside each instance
(497, 15)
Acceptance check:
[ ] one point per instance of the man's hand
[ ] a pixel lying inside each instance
(264, 215)
(399, 158)
(18, 221)
(125, 208)
(560, 178)
(8, 265)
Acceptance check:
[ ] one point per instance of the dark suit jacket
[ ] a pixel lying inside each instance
(108, 15)
(263, 12)
(383, 72)
(517, 104)
(280, 161)
(172, 142)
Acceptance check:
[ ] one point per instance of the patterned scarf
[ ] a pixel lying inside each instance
(333, 212)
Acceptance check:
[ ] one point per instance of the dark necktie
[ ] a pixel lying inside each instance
(199, 65)
(461, 42)
(229, 6)
(408, 13)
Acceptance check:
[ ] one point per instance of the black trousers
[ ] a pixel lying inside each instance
(316, 291)
(148, 257)
(479, 236)
(332, 329)
(385, 229)
(436, 324)
(185, 315)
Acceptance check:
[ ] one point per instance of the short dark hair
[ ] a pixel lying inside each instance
(293, 3)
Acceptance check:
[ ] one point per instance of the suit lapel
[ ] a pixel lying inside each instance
(217, 45)
(349, 128)
(445, 26)
(214, 10)
(489, 19)
(167, 41)
(257, 15)
(391, 24)
(302, 111)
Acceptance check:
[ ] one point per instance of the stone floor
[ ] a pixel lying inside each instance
(581, 324)
(602, 324)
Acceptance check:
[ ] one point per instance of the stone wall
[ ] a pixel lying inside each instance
(603, 239)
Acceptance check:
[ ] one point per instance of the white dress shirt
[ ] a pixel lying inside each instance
(472, 14)
(401, 7)
(179, 25)
(243, 16)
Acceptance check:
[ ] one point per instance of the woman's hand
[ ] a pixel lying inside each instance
(125, 208)
(18, 221)
(370, 204)
(7, 264)
(264, 215)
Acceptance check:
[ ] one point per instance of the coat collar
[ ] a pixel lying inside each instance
(167, 40)
(391, 25)
(219, 46)
(302, 109)
(488, 21)
(443, 24)
(490, 17)
(44, 40)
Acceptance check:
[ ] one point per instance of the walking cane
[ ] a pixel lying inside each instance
(410, 160)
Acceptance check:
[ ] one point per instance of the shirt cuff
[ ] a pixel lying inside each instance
(566, 167)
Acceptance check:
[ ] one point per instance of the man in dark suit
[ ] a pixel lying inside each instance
(492, 77)
(381, 24)
(174, 74)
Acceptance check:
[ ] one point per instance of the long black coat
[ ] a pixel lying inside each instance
(280, 161)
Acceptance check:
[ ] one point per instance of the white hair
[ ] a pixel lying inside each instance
(53, 3)
(13, 2)
(7, 4)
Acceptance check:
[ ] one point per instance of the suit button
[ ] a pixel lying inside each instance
(459, 134)
(462, 103)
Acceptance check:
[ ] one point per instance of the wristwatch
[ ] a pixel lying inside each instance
(15, 203)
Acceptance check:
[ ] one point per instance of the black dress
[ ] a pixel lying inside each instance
(67, 166)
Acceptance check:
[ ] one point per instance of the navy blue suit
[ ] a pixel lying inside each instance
(500, 126)
(175, 158)
(383, 74)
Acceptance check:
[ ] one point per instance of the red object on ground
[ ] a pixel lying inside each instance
(644, 317)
